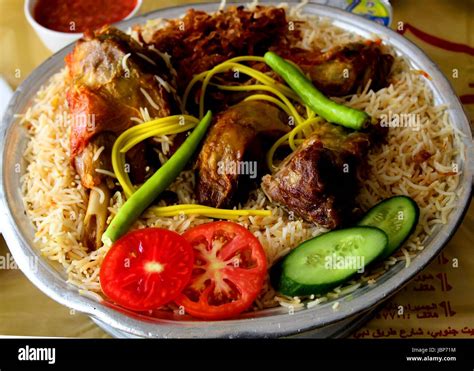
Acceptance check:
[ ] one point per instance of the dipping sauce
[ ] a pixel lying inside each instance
(80, 15)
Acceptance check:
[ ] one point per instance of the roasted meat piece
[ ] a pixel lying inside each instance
(341, 71)
(344, 69)
(318, 181)
(110, 78)
(200, 40)
(233, 146)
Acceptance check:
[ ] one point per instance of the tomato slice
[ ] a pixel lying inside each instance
(146, 268)
(229, 271)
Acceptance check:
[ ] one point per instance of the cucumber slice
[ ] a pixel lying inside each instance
(322, 263)
(397, 217)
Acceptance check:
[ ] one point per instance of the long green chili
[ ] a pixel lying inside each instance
(326, 108)
(160, 181)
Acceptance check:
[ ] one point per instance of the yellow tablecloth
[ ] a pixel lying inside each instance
(437, 303)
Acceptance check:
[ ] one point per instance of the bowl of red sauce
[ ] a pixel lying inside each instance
(61, 22)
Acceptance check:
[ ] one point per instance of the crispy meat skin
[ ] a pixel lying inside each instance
(200, 41)
(318, 181)
(103, 96)
(344, 69)
(204, 40)
(341, 71)
(234, 137)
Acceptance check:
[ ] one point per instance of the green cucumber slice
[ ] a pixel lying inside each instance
(324, 262)
(397, 217)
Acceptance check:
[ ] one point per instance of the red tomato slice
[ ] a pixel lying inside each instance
(230, 267)
(146, 268)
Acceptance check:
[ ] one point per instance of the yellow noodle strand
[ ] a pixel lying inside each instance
(194, 209)
(299, 128)
(228, 65)
(272, 150)
(161, 122)
(138, 133)
(271, 99)
(285, 100)
(261, 77)
(174, 129)
(118, 165)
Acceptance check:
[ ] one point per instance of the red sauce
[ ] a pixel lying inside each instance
(81, 15)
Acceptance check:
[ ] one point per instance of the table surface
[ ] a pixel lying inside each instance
(437, 303)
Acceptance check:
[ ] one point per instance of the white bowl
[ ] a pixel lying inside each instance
(55, 40)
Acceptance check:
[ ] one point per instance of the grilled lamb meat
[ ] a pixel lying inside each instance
(345, 69)
(110, 78)
(199, 40)
(105, 91)
(318, 181)
(341, 71)
(234, 139)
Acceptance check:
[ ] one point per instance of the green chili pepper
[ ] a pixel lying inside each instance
(326, 108)
(160, 181)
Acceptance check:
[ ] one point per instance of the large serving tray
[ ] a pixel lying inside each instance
(51, 279)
